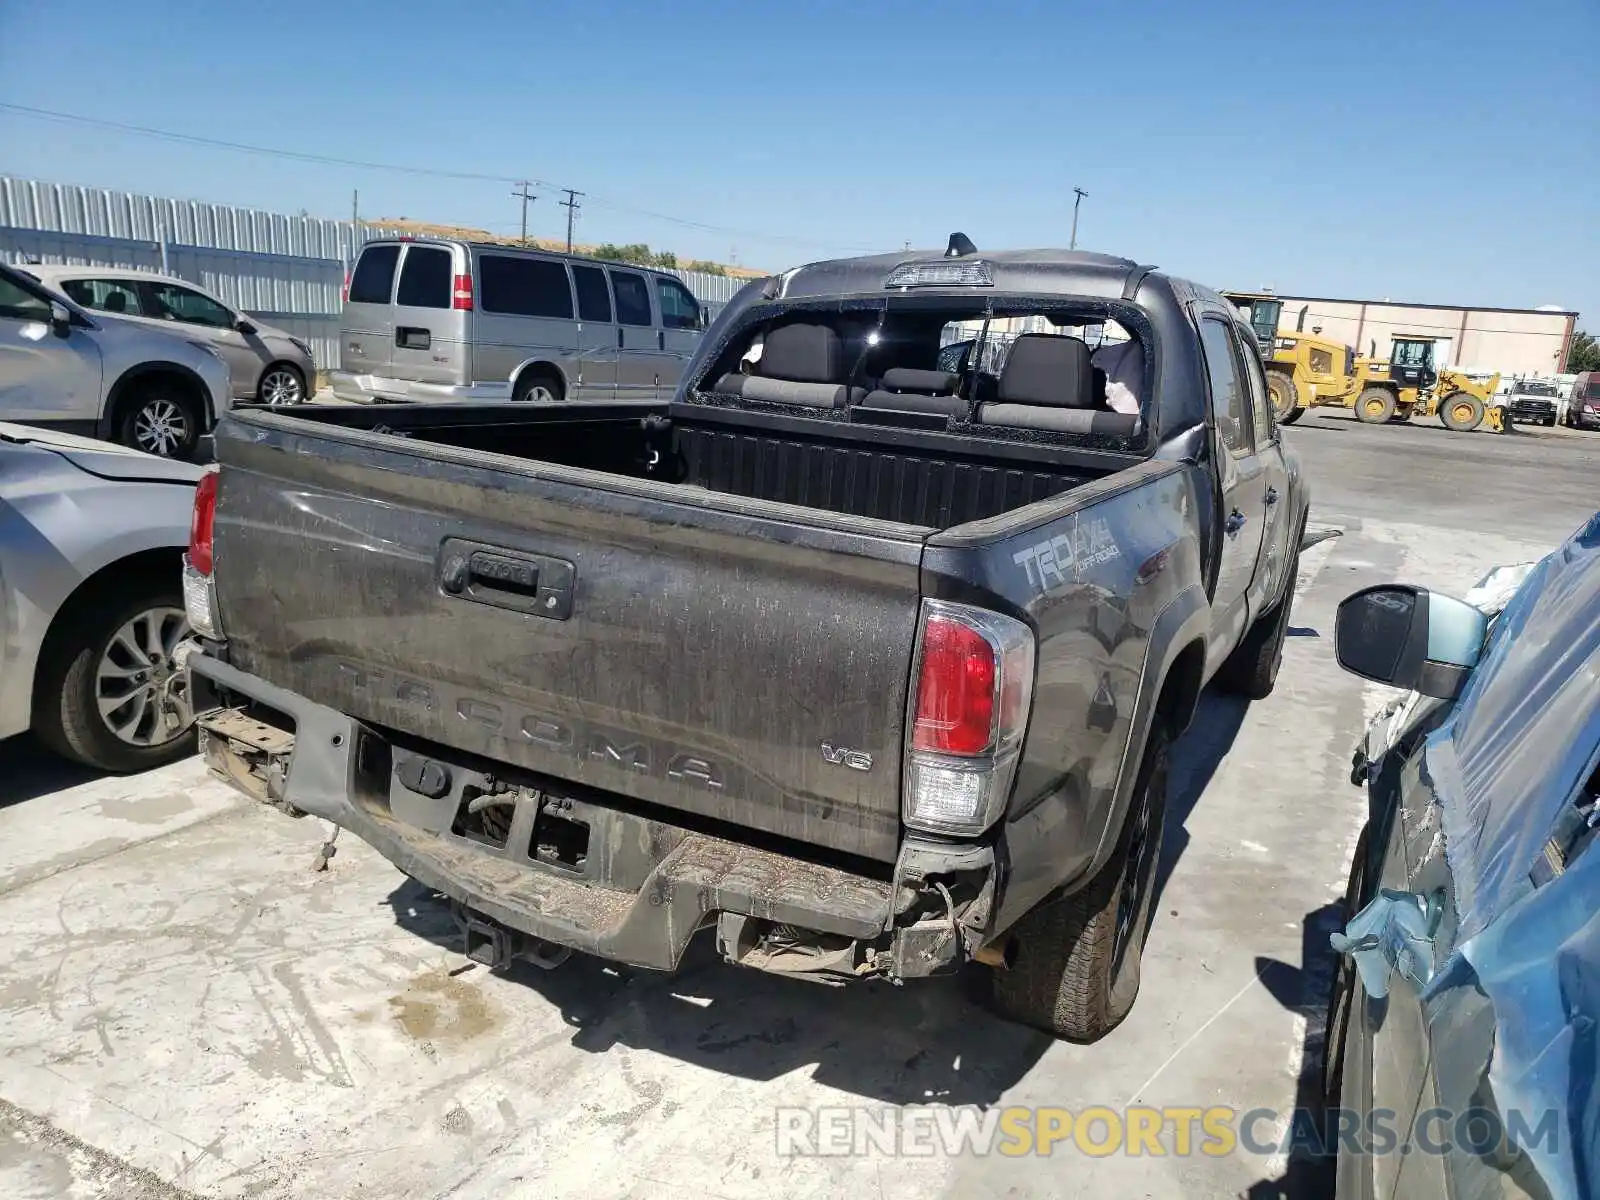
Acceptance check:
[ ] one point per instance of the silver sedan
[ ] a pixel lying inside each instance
(91, 608)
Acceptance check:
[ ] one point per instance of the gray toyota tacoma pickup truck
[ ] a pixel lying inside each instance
(866, 651)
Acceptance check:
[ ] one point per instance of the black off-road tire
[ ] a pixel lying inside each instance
(1285, 396)
(529, 381)
(1251, 670)
(1066, 973)
(1375, 405)
(1461, 412)
(65, 715)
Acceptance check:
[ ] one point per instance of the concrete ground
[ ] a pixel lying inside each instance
(186, 1009)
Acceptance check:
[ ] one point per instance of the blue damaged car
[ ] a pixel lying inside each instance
(1462, 1039)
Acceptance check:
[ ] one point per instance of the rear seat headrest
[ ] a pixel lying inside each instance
(1048, 369)
(910, 379)
(803, 353)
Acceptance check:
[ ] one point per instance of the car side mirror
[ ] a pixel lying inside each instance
(244, 327)
(1409, 637)
(60, 319)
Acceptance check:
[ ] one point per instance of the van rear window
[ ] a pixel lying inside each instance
(374, 278)
(524, 287)
(425, 278)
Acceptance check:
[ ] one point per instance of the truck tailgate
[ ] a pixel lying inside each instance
(678, 646)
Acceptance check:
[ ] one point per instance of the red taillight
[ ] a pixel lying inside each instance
(956, 693)
(461, 295)
(205, 513)
(344, 292)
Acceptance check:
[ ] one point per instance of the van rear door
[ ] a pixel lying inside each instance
(366, 328)
(431, 316)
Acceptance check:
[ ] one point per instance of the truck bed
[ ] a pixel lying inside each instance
(912, 477)
(672, 607)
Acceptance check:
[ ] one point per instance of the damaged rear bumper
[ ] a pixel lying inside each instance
(554, 864)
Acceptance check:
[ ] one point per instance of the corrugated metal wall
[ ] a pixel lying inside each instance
(286, 270)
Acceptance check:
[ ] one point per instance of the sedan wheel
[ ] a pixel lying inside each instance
(109, 690)
(161, 427)
(282, 385)
(141, 695)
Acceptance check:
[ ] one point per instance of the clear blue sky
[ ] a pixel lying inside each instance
(1445, 152)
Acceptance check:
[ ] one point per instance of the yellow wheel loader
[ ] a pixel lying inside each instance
(1408, 384)
(1309, 371)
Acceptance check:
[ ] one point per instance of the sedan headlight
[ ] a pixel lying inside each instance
(303, 347)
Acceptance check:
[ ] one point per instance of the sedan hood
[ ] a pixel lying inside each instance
(105, 459)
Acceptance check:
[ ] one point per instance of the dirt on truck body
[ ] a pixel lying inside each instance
(865, 651)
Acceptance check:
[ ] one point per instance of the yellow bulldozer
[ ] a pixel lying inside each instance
(1310, 371)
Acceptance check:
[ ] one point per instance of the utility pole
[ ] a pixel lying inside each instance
(355, 206)
(1075, 203)
(572, 206)
(526, 196)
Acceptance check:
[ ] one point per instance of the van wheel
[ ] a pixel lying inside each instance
(1073, 965)
(160, 419)
(1375, 406)
(542, 387)
(1251, 670)
(1461, 412)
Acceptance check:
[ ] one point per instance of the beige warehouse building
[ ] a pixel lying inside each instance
(1512, 341)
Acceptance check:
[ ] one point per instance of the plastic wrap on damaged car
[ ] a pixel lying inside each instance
(1505, 767)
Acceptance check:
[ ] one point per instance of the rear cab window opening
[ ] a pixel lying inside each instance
(1009, 367)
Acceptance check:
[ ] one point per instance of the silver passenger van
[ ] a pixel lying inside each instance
(430, 319)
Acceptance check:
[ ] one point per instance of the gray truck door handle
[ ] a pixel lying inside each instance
(1272, 495)
(1235, 522)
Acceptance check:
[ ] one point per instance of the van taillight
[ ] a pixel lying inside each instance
(344, 292)
(973, 692)
(461, 294)
(200, 523)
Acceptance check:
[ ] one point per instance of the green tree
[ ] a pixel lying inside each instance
(707, 268)
(1584, 354)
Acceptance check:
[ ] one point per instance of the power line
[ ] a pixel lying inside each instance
(190, 139)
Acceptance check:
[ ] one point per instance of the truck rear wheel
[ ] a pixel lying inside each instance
(1461, 411)
(1375, 406)
(1286, 404)
(1073, 962)
(1252, 669)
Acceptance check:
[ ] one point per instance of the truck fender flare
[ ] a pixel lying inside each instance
(1177, 641)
